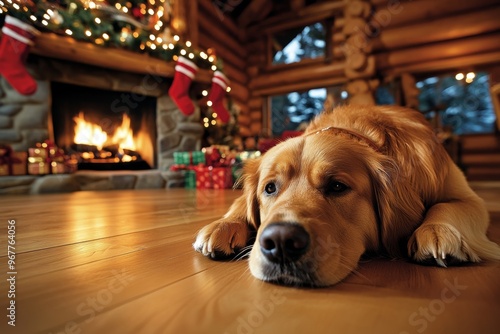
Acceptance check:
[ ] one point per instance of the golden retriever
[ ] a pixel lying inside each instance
(360, 179)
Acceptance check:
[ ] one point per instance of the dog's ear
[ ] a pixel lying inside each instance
(251, 172)
(400, 208)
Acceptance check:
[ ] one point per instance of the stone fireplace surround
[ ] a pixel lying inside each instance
(26, 120)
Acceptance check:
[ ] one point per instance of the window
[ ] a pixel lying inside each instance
(293, 111)
(461, 102)
(294, 45)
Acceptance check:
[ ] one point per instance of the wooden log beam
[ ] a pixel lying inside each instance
(459, 26)
(426, 53)
(394, 14)
(66, 48)
(286, 75)
(449, 64)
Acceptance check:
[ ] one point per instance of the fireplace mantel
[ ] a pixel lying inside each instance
(66, 48)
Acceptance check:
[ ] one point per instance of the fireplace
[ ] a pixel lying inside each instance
(106, 130)
(27, 120)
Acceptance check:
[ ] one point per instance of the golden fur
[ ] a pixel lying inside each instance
(403, 196)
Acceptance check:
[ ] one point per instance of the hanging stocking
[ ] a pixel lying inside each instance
(16, 41)
(185, 70)
(216, 96)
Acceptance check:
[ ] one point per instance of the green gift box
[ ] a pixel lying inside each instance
(190, 179)
(189, 158)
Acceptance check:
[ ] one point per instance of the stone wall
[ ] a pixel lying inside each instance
(26, 120)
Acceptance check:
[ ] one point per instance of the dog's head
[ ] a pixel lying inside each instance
(319, 202)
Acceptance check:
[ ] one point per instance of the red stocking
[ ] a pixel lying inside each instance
(216, 96)
(14, 48)
(185, 70)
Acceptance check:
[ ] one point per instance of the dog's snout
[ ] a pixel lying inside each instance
(280, 242)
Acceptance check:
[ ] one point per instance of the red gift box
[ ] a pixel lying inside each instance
(222, 178)
(213, 177)
(203, 178)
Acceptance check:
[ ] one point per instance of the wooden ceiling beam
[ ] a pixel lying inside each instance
(254, 12)
(310, 13)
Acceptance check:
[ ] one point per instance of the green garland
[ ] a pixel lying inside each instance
(110, 24)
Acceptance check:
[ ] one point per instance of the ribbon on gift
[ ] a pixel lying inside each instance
(6, 157)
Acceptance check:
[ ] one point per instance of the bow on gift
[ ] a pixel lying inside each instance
(6, 157)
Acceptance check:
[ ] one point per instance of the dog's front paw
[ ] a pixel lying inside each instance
(222, 238)
(441, 243)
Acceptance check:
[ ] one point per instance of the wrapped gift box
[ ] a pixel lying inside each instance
(12, 163)
(222, 178)
(213, 177)
(189, 158)
(20, 163)
(38, 166)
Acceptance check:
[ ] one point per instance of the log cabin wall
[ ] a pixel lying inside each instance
(435, 36)
(402, 37)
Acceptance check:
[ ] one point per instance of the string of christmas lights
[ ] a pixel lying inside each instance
(134, 25)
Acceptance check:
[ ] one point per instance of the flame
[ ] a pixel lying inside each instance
(88, 133)
(124, 136)
(92, 134)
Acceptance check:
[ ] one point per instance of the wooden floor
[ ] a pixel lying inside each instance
(122, 262)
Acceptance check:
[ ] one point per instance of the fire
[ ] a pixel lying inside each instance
(88, 133)
(92, 134)
(124, 135)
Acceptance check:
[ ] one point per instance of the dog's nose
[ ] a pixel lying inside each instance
(281, 242)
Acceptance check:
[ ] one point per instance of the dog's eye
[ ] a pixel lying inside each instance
(335, 188)
(270, 188)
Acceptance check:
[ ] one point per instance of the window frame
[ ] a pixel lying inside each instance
(328, 20)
